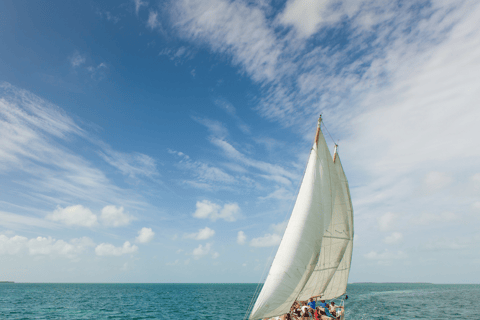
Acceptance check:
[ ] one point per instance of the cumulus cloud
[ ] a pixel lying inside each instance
(74, 215)
(209, 210)
(268, 240)
(44, 246)
(202, 234)
(107, 249)
(145, 235)
(201, 251)
(241, 237)
(279, 228)
(114, 216)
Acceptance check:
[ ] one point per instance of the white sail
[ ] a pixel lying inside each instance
(334, 244)
(338, 284)
(315, 251)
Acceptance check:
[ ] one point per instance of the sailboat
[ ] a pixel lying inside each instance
(314, 256)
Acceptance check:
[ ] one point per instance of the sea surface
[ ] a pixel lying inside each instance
(224, 301)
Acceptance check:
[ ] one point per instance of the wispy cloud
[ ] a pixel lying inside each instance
(233, 27)
(35, 137)
(153, 22)
(206, 176)
(77, 59)
(139, 4)
(132, 165)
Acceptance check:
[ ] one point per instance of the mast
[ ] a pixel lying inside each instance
(318, 129)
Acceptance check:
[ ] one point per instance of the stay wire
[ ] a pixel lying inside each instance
(328, 133)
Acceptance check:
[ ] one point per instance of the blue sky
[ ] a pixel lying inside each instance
(147, 141)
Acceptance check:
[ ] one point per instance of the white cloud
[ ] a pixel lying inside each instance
(304, 15)
(385, 255)
(201, 251)
(231, 27)
(241, 237)
(453, 243)
(153, 22)
(215, 255)
(209, 210)
(207, 176)
(74, 215)
(44, 246)
(202, 234)
(279, 228)
(35, 139)
(434, 181)
(114, 216)
(427, 218)
(13, 245)
(107, 249)
(394, 238)
(268, 240)
(77, 59)
(138, 5)
(132, 165)
(145, 235)
(15, 221)
(279, 194)
(387, 221)
(273, 170)
(216, 128)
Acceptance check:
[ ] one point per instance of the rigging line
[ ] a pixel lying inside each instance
(328, 132)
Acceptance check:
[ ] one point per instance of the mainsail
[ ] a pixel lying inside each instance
(316, 250)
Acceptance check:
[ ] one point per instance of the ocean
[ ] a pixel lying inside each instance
(224, 301)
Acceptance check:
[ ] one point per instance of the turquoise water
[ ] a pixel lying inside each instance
(224, 301)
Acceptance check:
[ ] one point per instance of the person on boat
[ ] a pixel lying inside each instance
(311, 303)
(295, 310)
(322, 304)
(322, 315)
(333, 308)
(340, 312)
(326, 310)
(305, 313)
